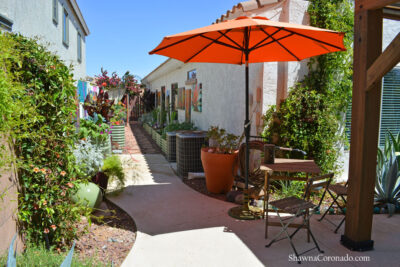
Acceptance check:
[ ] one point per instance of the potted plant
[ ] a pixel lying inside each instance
(118, 125)
(219, 159)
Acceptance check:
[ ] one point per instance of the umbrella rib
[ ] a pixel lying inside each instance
(314, 39)
(265, 39)
(284, 47)
(205, 47)
(227, 37)
(220, 43)
(270, 42)
(178, 42)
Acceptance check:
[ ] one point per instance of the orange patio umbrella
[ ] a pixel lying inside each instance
(247, 40)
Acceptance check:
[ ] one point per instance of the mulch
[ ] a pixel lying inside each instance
(108, 239)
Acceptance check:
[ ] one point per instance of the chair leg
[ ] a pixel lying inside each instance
(340, 224)
(315, 241)
(326, 212)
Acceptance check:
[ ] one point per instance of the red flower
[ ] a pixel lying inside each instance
(53, 227)
(46, 231)
(104, 84)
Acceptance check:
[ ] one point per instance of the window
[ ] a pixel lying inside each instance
(5, 23)
(65, 28)
(390, 107)
(79, 47)
(191, 75)
(55, 11)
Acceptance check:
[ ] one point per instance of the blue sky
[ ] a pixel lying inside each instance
(122, 32)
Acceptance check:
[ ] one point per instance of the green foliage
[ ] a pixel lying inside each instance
(387, 184)
(94, 129)
(221, 141)
(177, 126)
(311, 116)
(112, 166)
(119, 113)
(89, 157)
(40, 256)
(289, 188)
(41, 126)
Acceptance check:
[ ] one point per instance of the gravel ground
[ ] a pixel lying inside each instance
(109, 239)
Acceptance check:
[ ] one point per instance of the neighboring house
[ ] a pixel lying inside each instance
(57, 23)
(219, 88)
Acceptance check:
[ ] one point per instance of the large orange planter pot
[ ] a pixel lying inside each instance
(218, 170)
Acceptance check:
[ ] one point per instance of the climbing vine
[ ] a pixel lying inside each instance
(312, 116)
(37, 110)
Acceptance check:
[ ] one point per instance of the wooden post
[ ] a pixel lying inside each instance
(364, 130)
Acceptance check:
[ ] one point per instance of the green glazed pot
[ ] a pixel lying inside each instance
(88, 195)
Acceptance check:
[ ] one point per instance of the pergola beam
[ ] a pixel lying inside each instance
(373, 4)
(364, 130)
(384, 63)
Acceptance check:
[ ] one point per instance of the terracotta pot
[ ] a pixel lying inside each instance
(218, 170)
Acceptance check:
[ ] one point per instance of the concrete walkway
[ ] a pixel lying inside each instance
(178, 226)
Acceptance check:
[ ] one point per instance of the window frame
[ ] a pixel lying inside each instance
(65, 30)
(55, 11)
(79, 47)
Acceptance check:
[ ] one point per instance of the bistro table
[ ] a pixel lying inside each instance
(285, 165)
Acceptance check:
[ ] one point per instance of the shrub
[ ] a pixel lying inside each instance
(43, 133)
(94, 129)
(112, 166)
(89, 157)
(177, 126)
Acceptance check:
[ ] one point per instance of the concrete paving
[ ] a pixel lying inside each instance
(178, 226)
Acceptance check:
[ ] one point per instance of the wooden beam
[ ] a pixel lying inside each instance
(384, 63)
(364, 131)
(372, 4)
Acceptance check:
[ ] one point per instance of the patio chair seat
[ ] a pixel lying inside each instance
(338, 189)
(292, 205)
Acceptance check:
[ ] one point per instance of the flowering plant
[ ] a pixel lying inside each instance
(94, 129)
(132, 87)
(106, 82)
(119, 114)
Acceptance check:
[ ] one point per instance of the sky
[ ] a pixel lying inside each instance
(122, 32)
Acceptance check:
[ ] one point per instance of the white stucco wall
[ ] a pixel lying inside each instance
(223, 91)
(34, 18)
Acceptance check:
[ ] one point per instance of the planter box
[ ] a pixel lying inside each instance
(106, 147)
(118, 135)
(163, 146)
(147, 128)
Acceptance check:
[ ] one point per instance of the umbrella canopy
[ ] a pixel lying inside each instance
(265, 40)
(249, 40)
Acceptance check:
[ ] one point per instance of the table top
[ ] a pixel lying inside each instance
(291, 165)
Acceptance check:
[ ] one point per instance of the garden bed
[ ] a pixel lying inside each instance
(108, 240)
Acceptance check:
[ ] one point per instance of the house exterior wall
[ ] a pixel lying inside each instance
(34, 18)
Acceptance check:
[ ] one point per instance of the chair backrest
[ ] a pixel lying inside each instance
(317, 181)
(253, 173)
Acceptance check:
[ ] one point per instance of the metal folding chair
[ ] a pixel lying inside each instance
(336, 191)
(297, 207)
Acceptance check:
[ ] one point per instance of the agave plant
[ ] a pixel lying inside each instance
(387, 185)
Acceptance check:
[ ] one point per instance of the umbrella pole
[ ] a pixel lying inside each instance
(243, 212)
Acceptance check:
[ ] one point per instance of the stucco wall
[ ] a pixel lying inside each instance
(223, 91)
(8, 205)
(33, 18)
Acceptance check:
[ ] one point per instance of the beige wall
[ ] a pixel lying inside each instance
(8, 206)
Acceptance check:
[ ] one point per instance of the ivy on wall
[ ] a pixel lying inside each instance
(311, 117)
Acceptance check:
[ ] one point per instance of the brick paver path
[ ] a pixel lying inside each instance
(138, 141)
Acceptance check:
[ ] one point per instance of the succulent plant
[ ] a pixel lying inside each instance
(387, 185)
